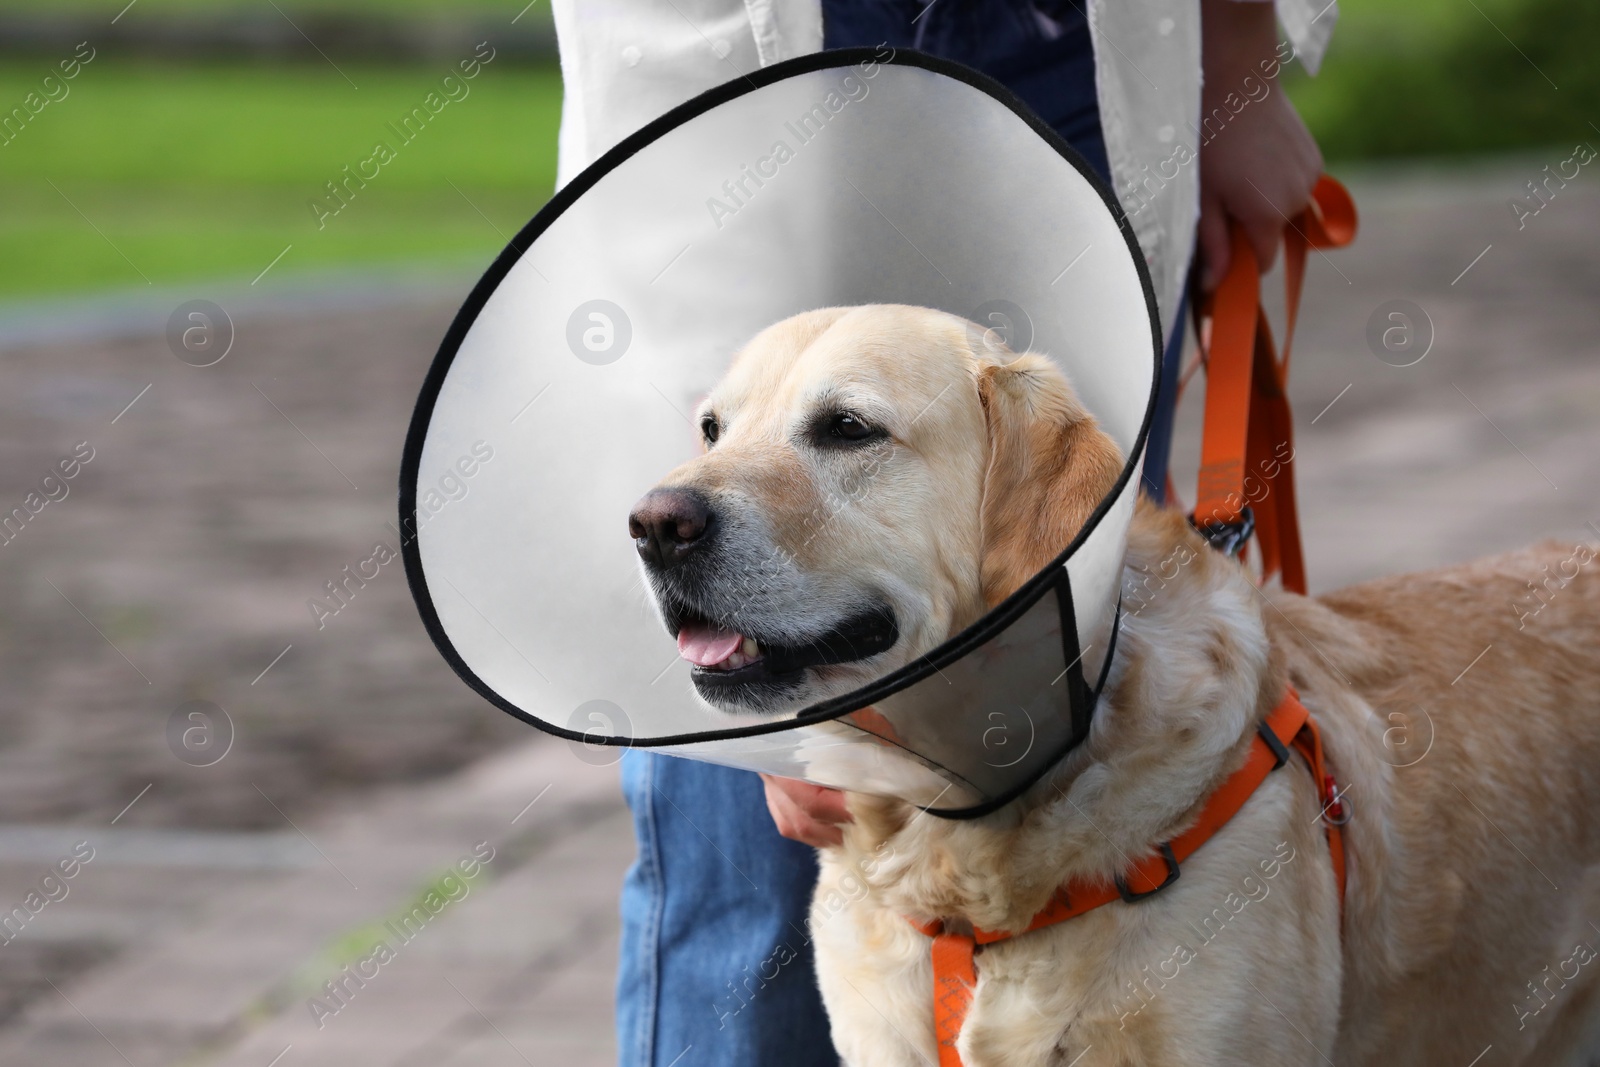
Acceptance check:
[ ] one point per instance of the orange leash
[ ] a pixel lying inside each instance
(1247, 447)
(954, 955)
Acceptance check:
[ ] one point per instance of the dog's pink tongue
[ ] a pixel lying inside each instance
(705, 646)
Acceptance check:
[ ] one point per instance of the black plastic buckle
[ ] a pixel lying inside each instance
(1279, 752)
(1227, 537)
(1172, 876)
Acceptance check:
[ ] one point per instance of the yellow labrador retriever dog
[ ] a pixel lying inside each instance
(1468, 933)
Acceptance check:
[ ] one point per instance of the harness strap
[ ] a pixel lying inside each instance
(1308, 742)
(1289, 724)
(955, 972)
(1247, 444)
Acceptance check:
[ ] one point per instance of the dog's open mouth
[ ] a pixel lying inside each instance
(730, 666)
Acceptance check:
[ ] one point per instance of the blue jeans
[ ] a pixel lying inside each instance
(716, 966)
(716, 970)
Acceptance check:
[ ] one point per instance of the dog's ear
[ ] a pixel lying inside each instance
(1050, 464)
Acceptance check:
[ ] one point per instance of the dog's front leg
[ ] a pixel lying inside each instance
(874, 971)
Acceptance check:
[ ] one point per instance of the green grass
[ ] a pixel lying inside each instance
(1456, 77)
(167, 174)
(382, 8)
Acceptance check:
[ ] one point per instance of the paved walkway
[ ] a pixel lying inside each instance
(223, 898)
(229, 965)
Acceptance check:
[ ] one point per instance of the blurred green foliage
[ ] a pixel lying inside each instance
(171, 172)
(1455, 77)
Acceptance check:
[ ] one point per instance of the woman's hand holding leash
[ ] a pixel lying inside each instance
(1258, 166)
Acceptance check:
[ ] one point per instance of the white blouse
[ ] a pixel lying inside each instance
(626, 62)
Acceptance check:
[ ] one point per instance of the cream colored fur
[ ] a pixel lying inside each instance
(1474, 869)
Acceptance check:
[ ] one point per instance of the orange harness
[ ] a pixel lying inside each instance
(1289, 724)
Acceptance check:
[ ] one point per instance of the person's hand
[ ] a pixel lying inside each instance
(808, 813)
(1259, 167)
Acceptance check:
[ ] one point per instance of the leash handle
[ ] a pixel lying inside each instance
(1248, 436)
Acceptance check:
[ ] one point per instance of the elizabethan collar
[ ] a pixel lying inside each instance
(562, 391)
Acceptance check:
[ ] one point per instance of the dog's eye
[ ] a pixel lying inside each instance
(844, 427)
(709, 429)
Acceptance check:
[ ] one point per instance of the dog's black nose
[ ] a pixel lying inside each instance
(668, 524)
